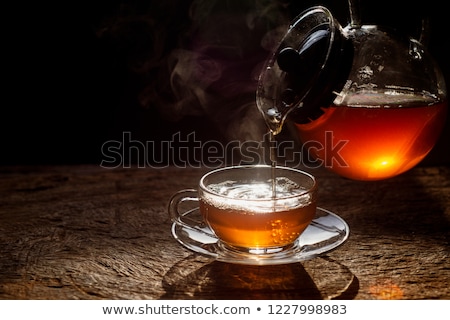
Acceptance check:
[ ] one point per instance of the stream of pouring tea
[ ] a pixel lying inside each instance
(273, 161)
(274, 119)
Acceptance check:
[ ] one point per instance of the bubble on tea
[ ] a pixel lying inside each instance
(286, 187)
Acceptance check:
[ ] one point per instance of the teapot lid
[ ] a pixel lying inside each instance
(312, 61)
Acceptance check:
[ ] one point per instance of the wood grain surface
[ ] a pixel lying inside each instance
(85, 232)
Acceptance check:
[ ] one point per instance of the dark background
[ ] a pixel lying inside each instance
(78, 74)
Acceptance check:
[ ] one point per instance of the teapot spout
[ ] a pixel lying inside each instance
(273, 117)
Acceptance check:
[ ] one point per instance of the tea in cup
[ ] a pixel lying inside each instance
(252, 209)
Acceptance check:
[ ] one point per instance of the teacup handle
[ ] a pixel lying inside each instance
(182, 218)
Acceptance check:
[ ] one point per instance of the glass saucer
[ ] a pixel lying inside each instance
(326, 232)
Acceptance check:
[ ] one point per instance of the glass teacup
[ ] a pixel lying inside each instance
(252, 209)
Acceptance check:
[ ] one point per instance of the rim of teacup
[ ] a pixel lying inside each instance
(312, 189)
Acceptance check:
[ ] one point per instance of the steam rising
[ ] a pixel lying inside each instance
(202, 58)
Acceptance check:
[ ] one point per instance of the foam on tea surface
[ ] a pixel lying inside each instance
(236, 193)
(256, 190)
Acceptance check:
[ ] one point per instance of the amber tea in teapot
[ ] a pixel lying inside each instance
(380, 141)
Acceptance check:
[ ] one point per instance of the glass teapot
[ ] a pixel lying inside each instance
(370, 102)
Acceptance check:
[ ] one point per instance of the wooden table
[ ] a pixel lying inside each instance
(85, 232)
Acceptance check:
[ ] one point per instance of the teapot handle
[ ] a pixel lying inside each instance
(355, 21)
